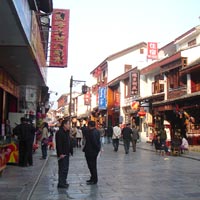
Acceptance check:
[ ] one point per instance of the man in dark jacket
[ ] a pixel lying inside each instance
(25, 133)
(91, 149)
(127, 137)
(63, 152)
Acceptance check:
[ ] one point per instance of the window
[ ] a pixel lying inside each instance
(174, 81)
(192, 43)
(157, 87)
(141, 51)
(127, 68)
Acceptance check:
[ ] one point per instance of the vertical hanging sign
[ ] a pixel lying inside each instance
(59, 38)
(152, 50)
(102, 98)
(134, 83)
(87, 98)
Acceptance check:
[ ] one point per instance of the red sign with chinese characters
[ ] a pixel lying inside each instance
(152, 50)
(87, 98)
(59, 38)
(116, 99)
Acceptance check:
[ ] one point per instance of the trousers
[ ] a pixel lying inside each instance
(63, 168)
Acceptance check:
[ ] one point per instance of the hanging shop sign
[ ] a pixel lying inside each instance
(87, 99)
(102, 98)
(134, 83)
(152, 50)
(135, 105)
(59, 38)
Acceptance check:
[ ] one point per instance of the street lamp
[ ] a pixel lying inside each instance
(84, 91)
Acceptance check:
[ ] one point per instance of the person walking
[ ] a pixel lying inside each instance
(79, 136)
(63, 151)
(127, 137)
(102, 135)
(109, 131)
(44, 140)
(91, 149)
(135, 137)
(115, 137)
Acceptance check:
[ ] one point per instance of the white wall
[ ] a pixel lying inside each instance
(116, 66)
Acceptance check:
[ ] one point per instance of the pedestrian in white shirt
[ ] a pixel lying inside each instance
(115, 137)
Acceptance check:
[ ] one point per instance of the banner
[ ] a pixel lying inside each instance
(102, 98)
(152, 50)
(59, 38)
(87, 99)
(134, 77)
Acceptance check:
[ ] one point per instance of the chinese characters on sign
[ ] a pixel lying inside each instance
(102, 98)
(59, 38)
(152, 50)
(134, 83)
(117, 99)
(87, 98)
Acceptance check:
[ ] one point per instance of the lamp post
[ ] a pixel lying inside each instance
(84, 91)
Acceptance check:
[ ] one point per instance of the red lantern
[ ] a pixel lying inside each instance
(141, 113)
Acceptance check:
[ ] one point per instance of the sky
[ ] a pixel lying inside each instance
(100, 28)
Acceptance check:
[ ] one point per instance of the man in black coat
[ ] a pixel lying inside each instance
(91, 149)
(127, 137)
(63, 152)
(25, 133)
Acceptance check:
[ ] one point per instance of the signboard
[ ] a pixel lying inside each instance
(102, 98)
(116, 99)
(134, 83)
(59, 38)
(152, 50)
(87, 99)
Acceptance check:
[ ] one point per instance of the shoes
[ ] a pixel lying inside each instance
(92, 183)
(88, 181)
(63, 185)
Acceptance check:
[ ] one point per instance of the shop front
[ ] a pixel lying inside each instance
(183, 116)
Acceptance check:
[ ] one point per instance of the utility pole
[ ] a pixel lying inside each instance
(84, 91)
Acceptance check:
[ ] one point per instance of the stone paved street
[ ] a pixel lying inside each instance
(141, 175)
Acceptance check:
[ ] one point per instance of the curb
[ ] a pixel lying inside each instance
(38, 178)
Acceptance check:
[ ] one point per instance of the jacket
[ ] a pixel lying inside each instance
(63, 142)
(116, 132)
(127, 133)
(92, 145)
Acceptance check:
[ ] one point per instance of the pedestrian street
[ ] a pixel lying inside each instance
(141, 175)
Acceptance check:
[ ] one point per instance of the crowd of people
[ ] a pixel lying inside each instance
(91, 138)
(179, 143)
